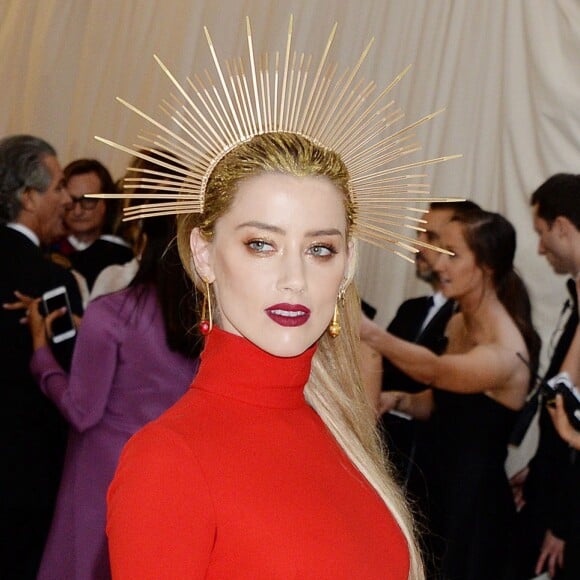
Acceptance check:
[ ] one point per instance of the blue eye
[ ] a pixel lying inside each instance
(321, 250)
(259, 246)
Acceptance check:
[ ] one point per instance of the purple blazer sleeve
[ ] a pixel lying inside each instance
(82, 395)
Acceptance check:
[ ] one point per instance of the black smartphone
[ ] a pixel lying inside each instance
(63, 327)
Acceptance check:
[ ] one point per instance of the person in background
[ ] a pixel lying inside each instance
(549, 525)
(136, 354)
(421, 320)
(117, 276)
(90, 245)
(33, 197)
(477, 387)
(570, 366)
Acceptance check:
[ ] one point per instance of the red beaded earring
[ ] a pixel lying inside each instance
(206, 322)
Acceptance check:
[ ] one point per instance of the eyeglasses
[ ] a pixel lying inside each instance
(84, 202)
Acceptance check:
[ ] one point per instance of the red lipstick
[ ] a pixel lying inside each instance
(288, 314)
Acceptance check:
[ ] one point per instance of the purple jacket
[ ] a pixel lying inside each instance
(123, 375)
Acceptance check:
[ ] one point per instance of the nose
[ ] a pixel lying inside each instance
(541, 249)
(440, 262)
(292, 273)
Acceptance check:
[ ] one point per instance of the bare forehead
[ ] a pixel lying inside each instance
(452, 233)
(84, 183)
(288, 203)
(437, 218)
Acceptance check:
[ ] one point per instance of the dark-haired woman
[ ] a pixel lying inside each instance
(478, 386)
(134, 357)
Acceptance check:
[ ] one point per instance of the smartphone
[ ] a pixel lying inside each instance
(63, 327)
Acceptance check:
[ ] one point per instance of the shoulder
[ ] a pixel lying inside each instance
(412, 303)
(167, 440)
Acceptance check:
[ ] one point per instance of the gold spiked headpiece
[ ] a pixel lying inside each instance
(283, 92)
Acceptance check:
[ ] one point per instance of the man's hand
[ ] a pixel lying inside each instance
(22, 302)
(551, 554)
(562, 423)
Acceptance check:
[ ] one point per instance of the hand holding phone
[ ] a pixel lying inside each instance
(63, 327)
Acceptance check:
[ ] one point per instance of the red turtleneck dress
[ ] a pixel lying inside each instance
(241, 479)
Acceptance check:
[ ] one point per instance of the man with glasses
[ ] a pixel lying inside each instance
(33, 197)
(90, 245)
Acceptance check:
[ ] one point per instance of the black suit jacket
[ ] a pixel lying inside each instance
(100, 254)
(407, 440)
(407, 324)
(552, 490)
(33, 436)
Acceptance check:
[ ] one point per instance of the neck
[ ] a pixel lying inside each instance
(86, 237)
(476, 304)
(28, 220)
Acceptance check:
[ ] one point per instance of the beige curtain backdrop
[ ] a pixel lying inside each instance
(506, 70)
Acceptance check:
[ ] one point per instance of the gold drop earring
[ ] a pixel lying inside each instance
(206, 322)
(334, 328)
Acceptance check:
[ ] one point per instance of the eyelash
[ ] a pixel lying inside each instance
(329, 247)
(259, 246)
(253, 245)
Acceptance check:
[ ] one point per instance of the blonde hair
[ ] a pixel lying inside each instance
(334, 389)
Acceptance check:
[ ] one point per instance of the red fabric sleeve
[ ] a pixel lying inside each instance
(161, 520)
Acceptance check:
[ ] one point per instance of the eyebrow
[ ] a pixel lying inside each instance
(278, 230)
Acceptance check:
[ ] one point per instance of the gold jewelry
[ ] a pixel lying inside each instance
(281, 93)
(206, 322)
(334, 328)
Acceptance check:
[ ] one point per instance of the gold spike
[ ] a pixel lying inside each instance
(268, 93)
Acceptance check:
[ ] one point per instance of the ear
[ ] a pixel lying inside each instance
(562, 225)
(27, 199)
(350, 265)
(201, 255)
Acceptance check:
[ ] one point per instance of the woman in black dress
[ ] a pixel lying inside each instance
(478, 386)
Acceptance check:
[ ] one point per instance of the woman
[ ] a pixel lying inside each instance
(479, 384)
(269, 466)
(135, 355)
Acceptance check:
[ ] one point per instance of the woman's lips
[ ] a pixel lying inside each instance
(288, 314)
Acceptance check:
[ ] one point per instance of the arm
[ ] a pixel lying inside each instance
(160, 518)
(371, 373)
(417, 405)
(484, 367)
(82, 395)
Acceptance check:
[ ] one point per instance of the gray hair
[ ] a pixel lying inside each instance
(21, 168)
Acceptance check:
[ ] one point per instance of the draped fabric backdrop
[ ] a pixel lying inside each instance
(506, 70)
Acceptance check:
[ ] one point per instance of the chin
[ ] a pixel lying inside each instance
(284, 350)
(285, 344)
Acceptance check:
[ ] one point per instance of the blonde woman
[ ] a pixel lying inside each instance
(269, 466)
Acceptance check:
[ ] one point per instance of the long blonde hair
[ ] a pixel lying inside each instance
(334, 389)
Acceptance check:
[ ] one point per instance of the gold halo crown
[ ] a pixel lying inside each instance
(282, 93)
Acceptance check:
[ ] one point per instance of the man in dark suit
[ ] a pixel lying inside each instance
(550, 517)
(32, 201)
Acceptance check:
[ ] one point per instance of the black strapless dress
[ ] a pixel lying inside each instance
(471, 507)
